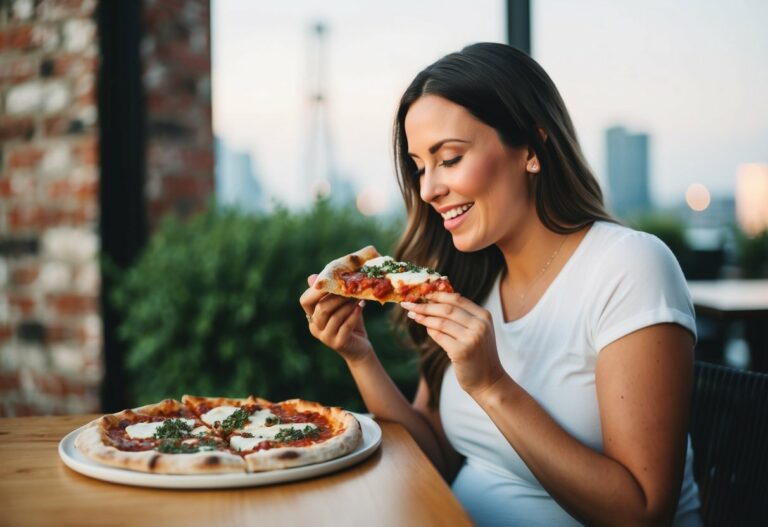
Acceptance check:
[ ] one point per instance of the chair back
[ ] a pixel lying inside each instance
(729, 432)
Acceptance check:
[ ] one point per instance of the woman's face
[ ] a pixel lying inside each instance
(477, 184)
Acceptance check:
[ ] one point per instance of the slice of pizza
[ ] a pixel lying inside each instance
(273, 436)
(164, 438)
(368, 275)
(298, 433)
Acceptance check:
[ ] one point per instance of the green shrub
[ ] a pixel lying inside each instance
(212, 308)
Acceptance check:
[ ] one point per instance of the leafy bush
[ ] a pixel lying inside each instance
(212, 307)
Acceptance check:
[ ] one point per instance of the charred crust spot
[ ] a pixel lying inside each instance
(289, 454)
(211, 461)
(153, 461)
(356, 260)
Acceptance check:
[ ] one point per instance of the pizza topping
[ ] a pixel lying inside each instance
(220, 413)
(386, 266)
(292, 434)
(261, 418)
(235, 421)
(176, 446)
(174, 429)
(358, 282)
(148, 430)
(200, 430)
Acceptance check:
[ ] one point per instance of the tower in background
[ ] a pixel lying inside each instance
(627, 162)
(321, 174)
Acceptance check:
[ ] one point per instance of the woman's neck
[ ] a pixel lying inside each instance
(528, 250)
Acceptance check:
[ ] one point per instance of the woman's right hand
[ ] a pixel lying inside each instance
(337, 322)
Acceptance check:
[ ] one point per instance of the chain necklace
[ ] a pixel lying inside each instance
(522, 297)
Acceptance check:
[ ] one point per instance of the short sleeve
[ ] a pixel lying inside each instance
(641, 284)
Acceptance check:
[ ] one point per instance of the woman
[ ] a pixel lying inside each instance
(555, 385)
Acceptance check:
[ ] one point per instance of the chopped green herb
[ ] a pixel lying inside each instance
(173, 429)
(246, 434)
(272, 421)
(293, 434)
(235, 421)
(391, 266)
(176, 446)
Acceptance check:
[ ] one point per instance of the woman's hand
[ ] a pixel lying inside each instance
(337, 322)
(465, 331)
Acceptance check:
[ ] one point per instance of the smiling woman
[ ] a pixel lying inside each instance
(555, 383)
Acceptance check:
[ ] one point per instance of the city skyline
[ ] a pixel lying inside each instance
(672, 71)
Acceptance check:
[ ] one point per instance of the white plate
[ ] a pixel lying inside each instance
(75, 460)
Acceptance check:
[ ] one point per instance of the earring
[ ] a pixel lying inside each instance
(533, 167)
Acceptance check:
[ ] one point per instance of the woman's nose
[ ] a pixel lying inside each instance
(430, 187)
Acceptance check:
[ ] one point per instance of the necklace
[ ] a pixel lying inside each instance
(521, 297)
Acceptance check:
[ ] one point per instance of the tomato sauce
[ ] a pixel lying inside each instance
(356, 282)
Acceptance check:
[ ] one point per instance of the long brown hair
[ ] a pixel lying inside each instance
(506, 89)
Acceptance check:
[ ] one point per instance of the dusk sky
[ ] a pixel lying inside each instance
(690, 73)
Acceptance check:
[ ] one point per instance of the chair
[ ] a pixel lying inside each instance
(729, 432)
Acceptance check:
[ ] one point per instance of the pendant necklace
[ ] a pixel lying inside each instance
(541, 272)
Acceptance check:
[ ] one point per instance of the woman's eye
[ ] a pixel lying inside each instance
(418, 173)
(451, 162)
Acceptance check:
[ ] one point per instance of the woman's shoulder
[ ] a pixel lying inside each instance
(615, 243)
(620, 253)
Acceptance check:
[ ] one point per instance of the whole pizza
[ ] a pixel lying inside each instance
(368, 275)
(207, 435)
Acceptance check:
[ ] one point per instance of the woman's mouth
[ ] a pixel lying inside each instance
(454, 217)
(456, 212)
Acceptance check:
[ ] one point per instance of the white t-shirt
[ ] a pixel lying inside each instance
(616, 282)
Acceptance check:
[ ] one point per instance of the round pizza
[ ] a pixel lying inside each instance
(368, 275)
(209, 435)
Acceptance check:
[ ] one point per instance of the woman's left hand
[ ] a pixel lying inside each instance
(465, 331)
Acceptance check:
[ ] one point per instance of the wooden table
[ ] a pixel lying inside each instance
(396, 486)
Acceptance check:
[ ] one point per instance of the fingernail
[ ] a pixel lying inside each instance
(361, 303)
(407, 305)
(412, 314)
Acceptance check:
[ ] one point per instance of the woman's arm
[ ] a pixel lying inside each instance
(643, 389)
(386, 401)
(337, 322)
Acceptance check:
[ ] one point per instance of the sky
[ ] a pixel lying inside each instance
(692, 74)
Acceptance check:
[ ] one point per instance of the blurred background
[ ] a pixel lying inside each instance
(171, 171)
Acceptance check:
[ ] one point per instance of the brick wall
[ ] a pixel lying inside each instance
(177, 81)
(50, 326)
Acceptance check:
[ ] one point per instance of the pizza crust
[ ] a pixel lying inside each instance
(348, 438)
(327, 281)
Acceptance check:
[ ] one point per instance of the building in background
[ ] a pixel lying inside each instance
(237, 183)
(627, 166)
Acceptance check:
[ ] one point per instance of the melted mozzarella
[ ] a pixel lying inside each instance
(258, 419)
(379, 260)
(406, 278)
(410, 278)
(200, 430)
(263, 434)
(147, 430)
(218, 414)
